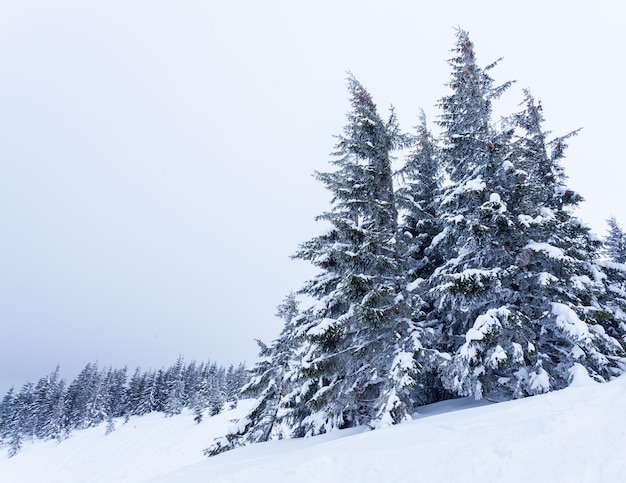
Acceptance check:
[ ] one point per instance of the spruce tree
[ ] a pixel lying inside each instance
(49, 406)
(199, 395)
(615, 282)
(360, 342)
(216, 377)
(520, 295)
(420, 230)
(81, 399)
(7, 408)
(136, 388)
(350, 358)
(615, 242)
(560, 286)
(271, 383)
(21, 423)
(175, 398)
(481, 333)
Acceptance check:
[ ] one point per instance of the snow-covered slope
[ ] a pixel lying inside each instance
(578, 434)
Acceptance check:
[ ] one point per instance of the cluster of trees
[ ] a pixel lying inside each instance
(50, 409)
(464, 273)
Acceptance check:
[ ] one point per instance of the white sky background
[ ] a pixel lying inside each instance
(156, 157)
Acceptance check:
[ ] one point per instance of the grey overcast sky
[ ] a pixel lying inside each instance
(156, 156)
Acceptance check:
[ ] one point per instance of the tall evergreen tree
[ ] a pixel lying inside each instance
(7, 408)
(361, 342)
(615, 242)
(175, 389)
(21, 422)
(615, 268)
(77, 397)
(117, 394)
(356, 347)
(216, 377)
(520, 293)
(560, 286)
(135, 391)
(271, 384)
(236, 377)
(49, 406)
(199, 391)
(420, 230)
(480, 333)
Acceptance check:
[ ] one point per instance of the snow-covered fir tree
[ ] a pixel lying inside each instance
(614, 267)
(49, 406)
(175, 389)
(7, 407)
(518, 295)
(420, 225)
(351, 357)
(361, 344)
(216, 378)
(481, 334)
(560, 287)
(236, 377)
(272, 381)
(84, 399)
(615, 242)
(20, 423)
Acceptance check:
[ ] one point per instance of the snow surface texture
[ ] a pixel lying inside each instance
(573, 435)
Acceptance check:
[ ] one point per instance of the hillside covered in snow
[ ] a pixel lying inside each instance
(571, 435)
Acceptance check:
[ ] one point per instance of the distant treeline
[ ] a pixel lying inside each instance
(52, 409)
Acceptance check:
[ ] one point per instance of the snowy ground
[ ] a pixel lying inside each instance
(575, 435)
